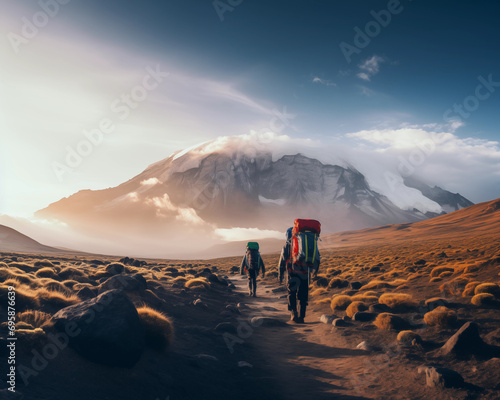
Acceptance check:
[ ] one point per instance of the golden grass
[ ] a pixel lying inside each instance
(46, 273)
(439, 270)
(470, 288)
(318, 292)
(407, 337)
(387, 322)
(197, 282)
(491, 288)
(484, 299)
(38, 319)
(367, 299)
(397, 300)
(355, 307)
(158, 328)
(340, 302)
(26, 297)
(56, 299)
(326, 300)
(441, 316)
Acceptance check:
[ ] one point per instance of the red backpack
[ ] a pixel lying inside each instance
(305, 235)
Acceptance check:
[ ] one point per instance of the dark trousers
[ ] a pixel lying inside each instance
(252, 280)
(298, 289)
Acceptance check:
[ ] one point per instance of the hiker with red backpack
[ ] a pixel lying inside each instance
(252, 263)
(300, 257)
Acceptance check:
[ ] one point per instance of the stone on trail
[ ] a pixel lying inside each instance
(279, 289)
(327, 319)
(442, 377)
(340, 322)
(105, 329)
(363, 316)
(131, 284)
(200, 303)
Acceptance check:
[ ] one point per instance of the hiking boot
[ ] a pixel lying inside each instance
(302, 314)
(294, 317)
(255, 294)
(300, 320)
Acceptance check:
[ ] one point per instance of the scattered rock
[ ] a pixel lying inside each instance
(435, 302)
(242, 306)
(374, 269)
(279, 289)
(442, 255)
(340, 322)
(106, 329)
(115, 268)
(420, 262)
(363, 316)
(355, 285)
(321, 282)
(132, 283)
(379, 308)
(365, 346)
(442, 377)
(226, 327)
(465, 342)
(327, 319)
(86, 293)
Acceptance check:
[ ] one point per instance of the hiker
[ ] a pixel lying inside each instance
(252, 263)
(300, 256)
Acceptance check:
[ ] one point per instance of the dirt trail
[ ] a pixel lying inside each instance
(308, 361)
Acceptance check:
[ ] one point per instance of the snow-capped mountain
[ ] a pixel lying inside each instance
(253, 181)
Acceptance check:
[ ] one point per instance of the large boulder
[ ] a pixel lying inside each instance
(465, 342)
(106, 329)
(132, 284)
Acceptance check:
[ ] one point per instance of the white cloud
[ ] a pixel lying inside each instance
(363, 76)
(325, 82)
(435, 154)
(241, 234)
(370, 67)
(150, 182)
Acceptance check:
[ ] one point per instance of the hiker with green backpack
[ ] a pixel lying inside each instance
(300, 257)
(251, 264)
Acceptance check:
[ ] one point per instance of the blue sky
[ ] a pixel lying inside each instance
(232, 66)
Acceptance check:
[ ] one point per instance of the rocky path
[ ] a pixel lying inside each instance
(307, 361)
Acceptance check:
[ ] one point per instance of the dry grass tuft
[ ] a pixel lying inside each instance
(484, 300)
(491, 288)
(326, 300)
(197, 282)
(38, 319)
(355, 307)
(470, 288)
(340, 302)
(158, 329)
(397, 300)
(318, 292)
(389, 322)
(407, 337)
(26, 297)
(56, 299)
(367, 299)
(46, 273)
(439, 270)
(441, 316)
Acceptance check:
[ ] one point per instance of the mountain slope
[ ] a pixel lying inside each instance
(479, 220)
(14, 241)
(243, 182)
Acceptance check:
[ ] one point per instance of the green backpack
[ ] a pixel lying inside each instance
(253, 246)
